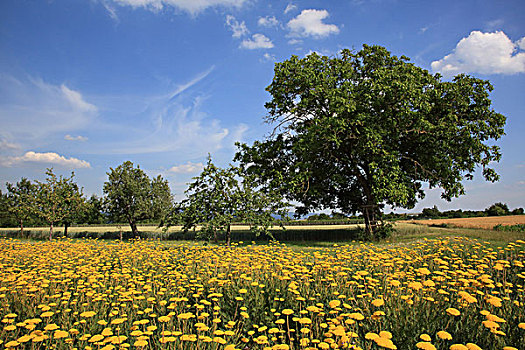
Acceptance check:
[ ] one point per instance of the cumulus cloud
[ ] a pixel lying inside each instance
(485, 53)
(191, 6)
(268, 21)
(238, 29)
(75, 138)
(310, 23)
(46, 158)
(258, 41)
(187, 168)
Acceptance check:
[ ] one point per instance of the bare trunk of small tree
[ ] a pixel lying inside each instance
(66, 225)
(228, 235)
(21, 228)
(51, 232)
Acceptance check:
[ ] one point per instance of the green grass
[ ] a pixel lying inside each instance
(315, 236)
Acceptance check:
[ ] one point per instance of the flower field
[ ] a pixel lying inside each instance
(431, 294)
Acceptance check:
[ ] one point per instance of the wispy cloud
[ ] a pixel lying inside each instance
(45, 158)
(290, 7)
(75, 138)
(485, 53)
(191, 6)
(257, 41)
(32, 109)
(8, 146)
(309, 23)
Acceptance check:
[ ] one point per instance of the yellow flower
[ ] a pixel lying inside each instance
(378, 302)
(334, 303)
(385, 334)
(88, 314)
(453, 312)
(471, 346)
(164, 319)
(425, 337)
(140, 343)
(60, 334)
(287, 312)
(458, 347)
(444, 335)
(96, 338)
(425, 345)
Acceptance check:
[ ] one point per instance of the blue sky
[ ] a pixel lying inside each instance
(88, 84)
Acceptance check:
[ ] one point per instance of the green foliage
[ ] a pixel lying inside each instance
(19, 201)
(364, 129)
(94, 211)
(131, 196)
(510, 228)
(219, 197)
(498, 209)
(58, 199)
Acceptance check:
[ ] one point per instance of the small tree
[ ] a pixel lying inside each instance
(20, 200)
(58, 199)
(218, 197)
(132, 196)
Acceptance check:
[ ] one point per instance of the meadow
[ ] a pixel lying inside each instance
(417, 291)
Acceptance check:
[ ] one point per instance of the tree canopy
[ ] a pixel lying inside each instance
(19, 201)
(132, 196)
(364, 129)
(219, 197)
(58, 199)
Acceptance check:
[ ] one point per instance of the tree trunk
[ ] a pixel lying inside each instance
(66, 225)
(51, 232)
(21, 228)
(120, 232)
(134, 230)
(228, 235)
(215, 237)
(369, 214)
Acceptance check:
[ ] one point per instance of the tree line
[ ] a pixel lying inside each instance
(352, 133)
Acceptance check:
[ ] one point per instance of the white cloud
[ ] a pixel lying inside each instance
(76, 100)
(310, 23)
(47, 158)
(8, 146)
(521, 43)
(191, 6)
(268, 57)
(295, 42)
(238, 29)
(289, 7)
(187, 168)
(268, 21)
(258, 41)
(32, 109)
(485, 53)
(75, 138)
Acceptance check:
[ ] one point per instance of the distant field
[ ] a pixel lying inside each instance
(482, 222)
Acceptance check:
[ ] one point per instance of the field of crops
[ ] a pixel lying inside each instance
(480, 222)
(432, 294)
